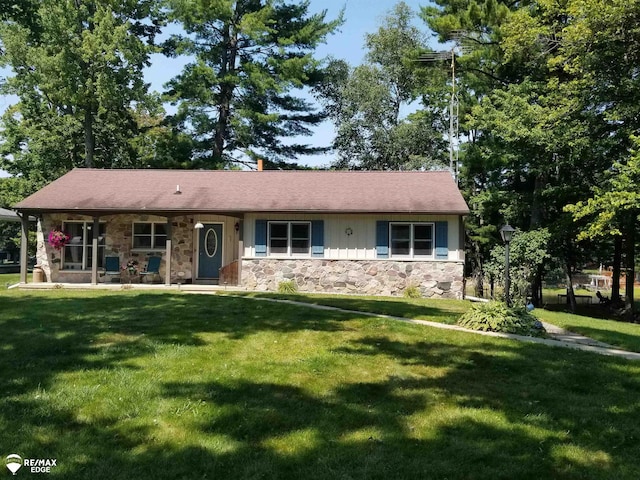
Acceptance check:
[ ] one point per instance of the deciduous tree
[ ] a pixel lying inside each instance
(370, 104)
(77, 81)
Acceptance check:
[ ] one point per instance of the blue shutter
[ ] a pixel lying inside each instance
(382, 239)
(317, 238)
(442, 240)
(261, 238)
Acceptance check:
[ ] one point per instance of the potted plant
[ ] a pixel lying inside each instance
(131, 267)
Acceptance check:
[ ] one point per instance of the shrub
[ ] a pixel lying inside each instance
(287, 286)
(497, 317)
(412, 291)
(527, 254)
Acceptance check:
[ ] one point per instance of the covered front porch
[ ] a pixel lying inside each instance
(193, 249)
(157, 287)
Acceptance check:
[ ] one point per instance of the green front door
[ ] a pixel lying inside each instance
(210, 251)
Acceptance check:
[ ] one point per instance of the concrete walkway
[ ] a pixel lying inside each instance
(558, 337)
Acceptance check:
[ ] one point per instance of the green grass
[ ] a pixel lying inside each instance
(7, 279)
(590, 322)
(120, 385)
(620, 334)
(419, 308)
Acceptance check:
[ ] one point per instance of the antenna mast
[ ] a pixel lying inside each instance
(454, 103)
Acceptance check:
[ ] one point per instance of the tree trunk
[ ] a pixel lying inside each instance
(537, 205)
(492, 286)
(536, 288)
(229, 57)
(478, 277)
(89, 138)
(569, 262)
(617, 261)
(571, 297)
(630, 250)
(89, 94)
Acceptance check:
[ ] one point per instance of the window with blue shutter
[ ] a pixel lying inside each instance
(442, 240)
(317, 238)
(261, 238)
(382, 239)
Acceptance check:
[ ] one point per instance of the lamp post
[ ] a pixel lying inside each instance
(506, 232)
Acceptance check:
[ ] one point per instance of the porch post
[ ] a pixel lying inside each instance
(167, 273)
(240, 254)
(240, 248)
(24, 247)
(94, 250)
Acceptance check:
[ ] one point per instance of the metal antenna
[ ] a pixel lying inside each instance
(454, 104)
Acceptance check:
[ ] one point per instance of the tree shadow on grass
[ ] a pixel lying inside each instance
(362, 430)
(448, 312)
(591, 310)
(587, 400)
(605, 334)
(373, 430)
(44, 335)
(458, 409)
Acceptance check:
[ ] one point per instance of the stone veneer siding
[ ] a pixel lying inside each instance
(367, 277)
(118, 242)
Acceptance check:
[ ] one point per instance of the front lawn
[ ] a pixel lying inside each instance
(434, 310)
(620, 334)
(121, 385)
(8, 279)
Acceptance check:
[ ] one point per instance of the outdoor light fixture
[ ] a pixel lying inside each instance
(237, 226)
(198, 226)
(506, 232)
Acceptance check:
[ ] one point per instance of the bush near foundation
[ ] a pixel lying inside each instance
(287, 287)
(497, 317)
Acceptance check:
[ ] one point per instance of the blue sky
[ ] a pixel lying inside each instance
(361, 17)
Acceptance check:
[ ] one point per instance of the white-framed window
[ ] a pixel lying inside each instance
(78, 253)
(149, 235)
(289, 238)
(411, 239)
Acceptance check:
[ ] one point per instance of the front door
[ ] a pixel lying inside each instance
(210, 251)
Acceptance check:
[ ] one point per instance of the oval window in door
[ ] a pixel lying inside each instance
(211, 242)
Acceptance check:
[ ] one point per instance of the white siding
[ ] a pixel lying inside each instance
(361, 244)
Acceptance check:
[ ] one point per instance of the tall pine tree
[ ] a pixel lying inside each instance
(238, 97)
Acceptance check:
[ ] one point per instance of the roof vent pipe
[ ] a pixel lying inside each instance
(177, 192)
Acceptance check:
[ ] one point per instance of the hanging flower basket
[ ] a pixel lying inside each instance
(58, 239)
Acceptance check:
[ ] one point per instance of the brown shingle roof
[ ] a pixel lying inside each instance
(94, 190)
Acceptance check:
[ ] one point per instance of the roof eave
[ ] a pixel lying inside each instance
(231, 212)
